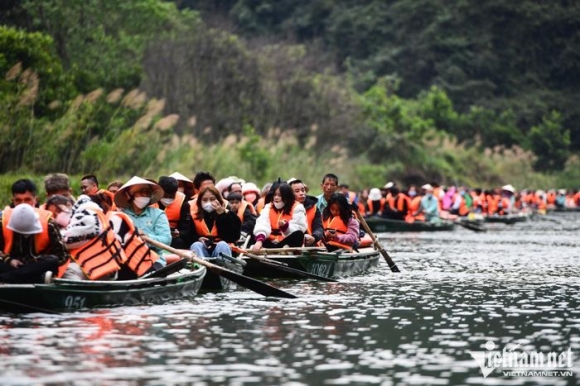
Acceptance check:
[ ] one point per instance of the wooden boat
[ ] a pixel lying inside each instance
(381, 224)
(68, 295)
(326, 264)
(508, 218)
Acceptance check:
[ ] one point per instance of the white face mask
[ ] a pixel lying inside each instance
(167, 201)
(279, 205)
(207, 206)
(141, 202)
(412, 193)
(181, 189)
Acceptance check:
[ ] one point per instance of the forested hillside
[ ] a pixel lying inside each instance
(476, 92)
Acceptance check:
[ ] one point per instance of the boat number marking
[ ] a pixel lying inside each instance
(74, 302)
(320, 269)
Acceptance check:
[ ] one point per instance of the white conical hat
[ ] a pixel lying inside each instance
(427, 187)
(181, 177)
(25, 220)
(508, 188)
(122, 198)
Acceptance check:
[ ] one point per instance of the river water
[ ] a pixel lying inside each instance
(513, 288)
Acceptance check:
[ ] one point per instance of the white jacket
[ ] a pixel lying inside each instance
(296, 223)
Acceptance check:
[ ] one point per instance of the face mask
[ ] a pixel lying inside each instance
(207, 206)
(141, 202)
(62, 219)
(279, 205)
(412, 193)
(182, 189)
(250, 197)
(167, 201)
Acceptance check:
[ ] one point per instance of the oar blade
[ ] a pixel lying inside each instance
(250, 283)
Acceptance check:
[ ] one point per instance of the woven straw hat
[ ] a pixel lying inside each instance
(122, 196)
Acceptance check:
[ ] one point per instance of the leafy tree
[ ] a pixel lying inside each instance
(102, 42)
(550, 142)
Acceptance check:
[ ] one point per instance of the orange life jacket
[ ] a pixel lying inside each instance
(41, 240)
(337, 224)
(371, 205)
(102, 255)
(551, 198)
(243, 205)
(413, 208)
(492, 204)
(202, 229)
(260, 205)
(310, 215)
(276, 216)
(173, 211)
(463, 209)
(139, 257)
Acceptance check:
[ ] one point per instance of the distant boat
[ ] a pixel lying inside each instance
(381, 224)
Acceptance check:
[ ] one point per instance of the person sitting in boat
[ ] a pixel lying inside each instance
(114, 186)
(31, 245)
(397, 207)
(429, 206)
(184, 184)
(215, 225)
(459, 202)
(243, 210)
(505, 204)
(251, 194)
(262, 200)
(89, 184)
(341, 229)
(61, 208)
(282, 222)
(140, 258)
(314, 231)
(329, 185)
(375, 203)
(95, 251)
(57, 183)
(134, 199)
(176, 208)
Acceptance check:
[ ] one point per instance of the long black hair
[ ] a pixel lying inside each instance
(343, 205)
(287, 195)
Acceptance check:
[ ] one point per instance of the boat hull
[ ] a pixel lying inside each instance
(380, 225)
(69, 295)
(214, 282)
(326, 264)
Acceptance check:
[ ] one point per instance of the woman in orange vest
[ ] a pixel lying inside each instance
(341, 229)
(282, 221)
(215, 225)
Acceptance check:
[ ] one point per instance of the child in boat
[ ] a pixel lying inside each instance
(341, 229)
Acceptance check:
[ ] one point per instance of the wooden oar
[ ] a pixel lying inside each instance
(167, 270)
(378, 245)
(471, 225)
(245, 281)
(277, 265)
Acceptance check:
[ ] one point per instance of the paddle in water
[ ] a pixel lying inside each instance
(378, 245)
(245, 281)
